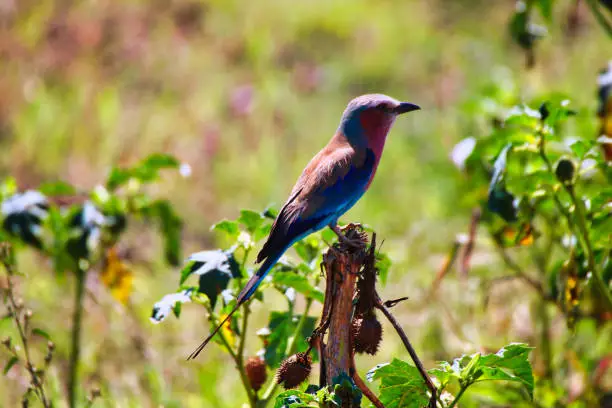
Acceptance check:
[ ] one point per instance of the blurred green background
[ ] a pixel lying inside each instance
(246, 93)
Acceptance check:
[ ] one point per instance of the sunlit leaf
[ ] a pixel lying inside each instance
(231, 228)
(510, 363)
(163, 308)
(57, 188)
(295, 399)
(251, 220)
(215, 269)
(117, 178)
(500, 201)
(300, 283)
(9, 364)
(383, 264)
(401, 385)
(41, 333)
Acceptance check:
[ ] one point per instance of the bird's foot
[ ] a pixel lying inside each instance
(353, 243)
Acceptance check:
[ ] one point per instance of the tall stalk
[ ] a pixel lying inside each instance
(75, 348)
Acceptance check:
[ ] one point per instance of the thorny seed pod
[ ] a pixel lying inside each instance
(294, 370)
(367, 334)
(255, 369)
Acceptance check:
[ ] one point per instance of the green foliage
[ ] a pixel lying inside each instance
(401, 384)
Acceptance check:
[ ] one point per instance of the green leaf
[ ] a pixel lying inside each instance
(383, 264)
(444, 373)
(158, 161)
(546, 9)
(167, 304)
(251, 220)
(148, 169)
(510, 363)
(557, 111)
(229, 227)
(308, 248)
(282, 326)
(58, 188)
(41, 333)
(12, 361)
(171, 226)
(401, 385)
(295, 399)
(215, 268)
(500, 201)
(580, 148)
(8, 187)
(117, 178)
(300, 283)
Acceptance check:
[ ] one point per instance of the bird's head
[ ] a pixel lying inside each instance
(368, 118)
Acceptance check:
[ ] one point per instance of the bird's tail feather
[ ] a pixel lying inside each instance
(243, 297)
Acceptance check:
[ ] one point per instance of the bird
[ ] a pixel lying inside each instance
(332, 182)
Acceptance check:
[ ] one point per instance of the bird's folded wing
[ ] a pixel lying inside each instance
(331, 183)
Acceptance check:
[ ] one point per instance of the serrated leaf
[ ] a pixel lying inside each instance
(12, 361)
(282, 326)
(401, 385)
(300, 283)
(510, 363)
(295, 399)
(444, 373)
(41, 333)
(229, 227)
(251, 220)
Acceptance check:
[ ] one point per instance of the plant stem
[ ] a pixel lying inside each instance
(582, 227)
(459, 395)
(239, 365)
(291, 345)
(583, 234)
(601, 19)
(36, 382)
(75, 349)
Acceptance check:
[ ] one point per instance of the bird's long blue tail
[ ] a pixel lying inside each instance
(243, 297)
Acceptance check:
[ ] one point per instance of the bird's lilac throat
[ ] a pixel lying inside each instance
(376, 125)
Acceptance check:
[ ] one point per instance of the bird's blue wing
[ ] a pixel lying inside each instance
(327, 192)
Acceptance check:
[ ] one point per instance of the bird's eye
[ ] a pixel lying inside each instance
(384, 107)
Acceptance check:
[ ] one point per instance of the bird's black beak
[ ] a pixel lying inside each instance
(405, 107)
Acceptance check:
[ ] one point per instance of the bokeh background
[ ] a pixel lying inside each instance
(245, 93)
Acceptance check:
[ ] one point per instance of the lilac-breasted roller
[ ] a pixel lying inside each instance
(333, 181)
